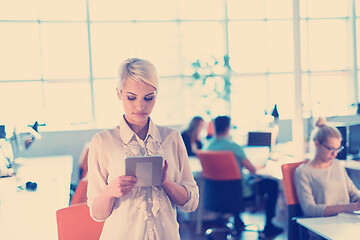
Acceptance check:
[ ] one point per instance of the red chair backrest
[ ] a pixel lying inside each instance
(75, 222)
(288, 171)
(80, 194)
(219, 165)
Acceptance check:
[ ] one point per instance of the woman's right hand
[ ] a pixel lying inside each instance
(352, 207)
(120, 186)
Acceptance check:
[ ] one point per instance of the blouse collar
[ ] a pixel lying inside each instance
(126, 133)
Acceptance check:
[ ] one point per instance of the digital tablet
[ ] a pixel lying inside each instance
(146, 169)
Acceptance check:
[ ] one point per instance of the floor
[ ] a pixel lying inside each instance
(187, 231)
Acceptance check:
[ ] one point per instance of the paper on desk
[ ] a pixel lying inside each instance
(349, 215)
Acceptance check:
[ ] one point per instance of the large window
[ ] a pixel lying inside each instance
(327, 57)
(59, 59)
(261, 53)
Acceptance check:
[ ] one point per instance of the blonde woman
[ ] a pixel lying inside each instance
(138, 213)
(323, 186)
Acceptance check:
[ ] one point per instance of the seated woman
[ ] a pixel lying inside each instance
(323, 186)
(191, 135)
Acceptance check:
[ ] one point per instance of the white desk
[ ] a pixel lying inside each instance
(335, 228)
(196, 170)
(195, 164)
(32, 214)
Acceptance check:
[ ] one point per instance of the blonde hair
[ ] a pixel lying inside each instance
(324, 131)
(139, 70)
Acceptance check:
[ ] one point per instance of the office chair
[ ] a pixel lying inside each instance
(295, 231)
(75, 222)
(222, 189)
(80, 194)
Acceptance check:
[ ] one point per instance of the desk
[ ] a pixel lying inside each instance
(196, 170)
(32, 214)
(335, 228)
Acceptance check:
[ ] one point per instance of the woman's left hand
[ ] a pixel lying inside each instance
(177, 193)
(164, 172)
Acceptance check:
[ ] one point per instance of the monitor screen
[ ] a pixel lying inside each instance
(259, 139)
(354, 139)
(343, 131)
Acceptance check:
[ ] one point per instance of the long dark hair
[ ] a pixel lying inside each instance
(193, 125)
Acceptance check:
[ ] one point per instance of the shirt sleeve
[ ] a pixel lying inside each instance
(186, 178)
(97, 173)
(239, 154)
(305, 194)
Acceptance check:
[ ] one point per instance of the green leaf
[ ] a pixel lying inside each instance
(196, 76)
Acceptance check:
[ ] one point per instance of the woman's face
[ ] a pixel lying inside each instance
(138, 100)
(199, 127)
(328, 150)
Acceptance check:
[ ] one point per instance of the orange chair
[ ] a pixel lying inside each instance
(295, 231)
(222, 189)
(75, 222)
(80, 194)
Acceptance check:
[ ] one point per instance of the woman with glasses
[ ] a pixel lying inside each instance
(323, 186)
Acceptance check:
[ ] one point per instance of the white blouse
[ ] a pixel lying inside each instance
(146, 212)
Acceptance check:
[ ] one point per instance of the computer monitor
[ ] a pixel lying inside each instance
(343, 129)
(260, 139)
(354, 139)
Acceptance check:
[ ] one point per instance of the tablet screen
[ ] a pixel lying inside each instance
(146, 169)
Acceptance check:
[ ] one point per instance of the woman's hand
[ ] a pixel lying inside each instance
(177, 193)
(352, 207)
(164, 173)
(120, 186)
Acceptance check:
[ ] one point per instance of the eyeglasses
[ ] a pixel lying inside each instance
(333, 150)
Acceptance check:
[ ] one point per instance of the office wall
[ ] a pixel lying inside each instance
(55, 143)
(285, 131)
(61, 143)
(344, 119)
(71, 142)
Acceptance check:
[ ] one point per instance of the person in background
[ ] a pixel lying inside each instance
(210, 130)
(191, 135)
(267, 187)
(131, 212)
(322, 184)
